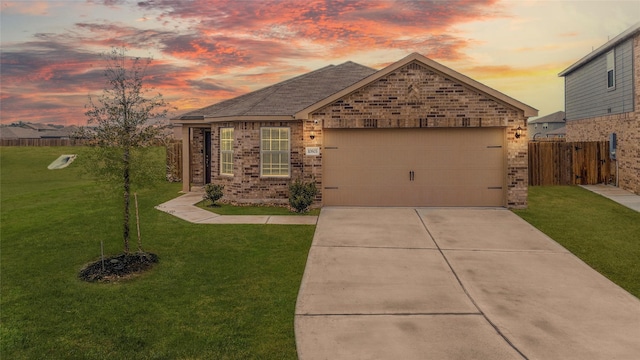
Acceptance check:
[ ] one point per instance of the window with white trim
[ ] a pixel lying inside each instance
(226, 151)
(275, 152)
(611, 69)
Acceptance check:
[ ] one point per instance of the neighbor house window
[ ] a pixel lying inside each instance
(275, 151)
(226, 151)
(611, 70)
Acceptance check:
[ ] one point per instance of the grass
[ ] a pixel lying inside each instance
(227, 209)
(219, 291)
(604, 234)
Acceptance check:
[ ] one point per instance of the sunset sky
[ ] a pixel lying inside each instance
(207, 51)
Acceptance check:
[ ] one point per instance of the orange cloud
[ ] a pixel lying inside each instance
(507, 71)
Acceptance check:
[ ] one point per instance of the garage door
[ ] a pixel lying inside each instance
(414, 167)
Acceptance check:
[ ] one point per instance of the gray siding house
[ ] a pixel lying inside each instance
(602, 92)
(601, 86)
(549, 126)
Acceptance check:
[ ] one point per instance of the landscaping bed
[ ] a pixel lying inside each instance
(118, 267)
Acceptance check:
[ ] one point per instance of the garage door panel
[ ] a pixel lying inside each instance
(451, 167)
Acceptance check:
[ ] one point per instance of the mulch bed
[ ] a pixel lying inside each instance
(118, 267)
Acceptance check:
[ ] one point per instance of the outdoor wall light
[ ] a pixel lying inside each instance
(518, 132)
(312, 135)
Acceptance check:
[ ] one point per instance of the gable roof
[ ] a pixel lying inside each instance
(465, 80)
(284, 99)
(556, 117)
(634, 29)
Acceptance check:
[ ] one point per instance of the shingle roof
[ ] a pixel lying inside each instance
(289, 96)
(14, 132)
(556, 117)
(39, 127)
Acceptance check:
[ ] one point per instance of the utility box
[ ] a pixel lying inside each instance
(613, 143)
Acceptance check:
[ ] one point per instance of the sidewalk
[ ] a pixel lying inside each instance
(622, 197)
(183, 207)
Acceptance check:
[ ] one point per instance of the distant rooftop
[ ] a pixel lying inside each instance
(13, 132)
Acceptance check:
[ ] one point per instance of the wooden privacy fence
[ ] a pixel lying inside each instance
(42, 142)
(569, 163)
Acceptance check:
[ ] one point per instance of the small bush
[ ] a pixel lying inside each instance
(301, 195)
(213, 193)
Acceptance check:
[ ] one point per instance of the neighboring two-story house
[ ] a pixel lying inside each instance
(602, 92)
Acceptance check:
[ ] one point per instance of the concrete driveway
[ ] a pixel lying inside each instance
(402, 283)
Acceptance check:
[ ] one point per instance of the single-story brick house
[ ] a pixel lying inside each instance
(415, 133)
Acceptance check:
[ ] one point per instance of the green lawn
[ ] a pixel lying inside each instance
(219, 291)
(602, 233)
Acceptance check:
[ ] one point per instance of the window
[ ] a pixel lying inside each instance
(611, 70)
(226, 151)
(274, 152)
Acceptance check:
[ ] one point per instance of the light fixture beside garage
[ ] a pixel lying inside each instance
(518, 132)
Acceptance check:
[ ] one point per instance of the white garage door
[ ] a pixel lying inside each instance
(414, 167)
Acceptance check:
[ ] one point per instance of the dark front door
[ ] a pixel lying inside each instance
(207, 156)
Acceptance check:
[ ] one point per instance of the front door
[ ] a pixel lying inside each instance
(207, 156)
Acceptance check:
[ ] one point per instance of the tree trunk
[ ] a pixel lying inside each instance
(126, 182)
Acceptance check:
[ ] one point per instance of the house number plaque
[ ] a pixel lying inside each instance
(312, 151)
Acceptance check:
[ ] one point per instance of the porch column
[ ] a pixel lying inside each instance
(186, 159)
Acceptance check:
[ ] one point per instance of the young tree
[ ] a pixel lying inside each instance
(122, 127)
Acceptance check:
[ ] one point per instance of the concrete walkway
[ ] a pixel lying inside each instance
(183, 207)
(622, 197)
(402, 283)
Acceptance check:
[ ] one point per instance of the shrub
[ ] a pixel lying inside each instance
(213, 193)
(302, 194)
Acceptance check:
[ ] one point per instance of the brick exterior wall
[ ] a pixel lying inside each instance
(627, 128)
(246, 186)
(415, 97)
